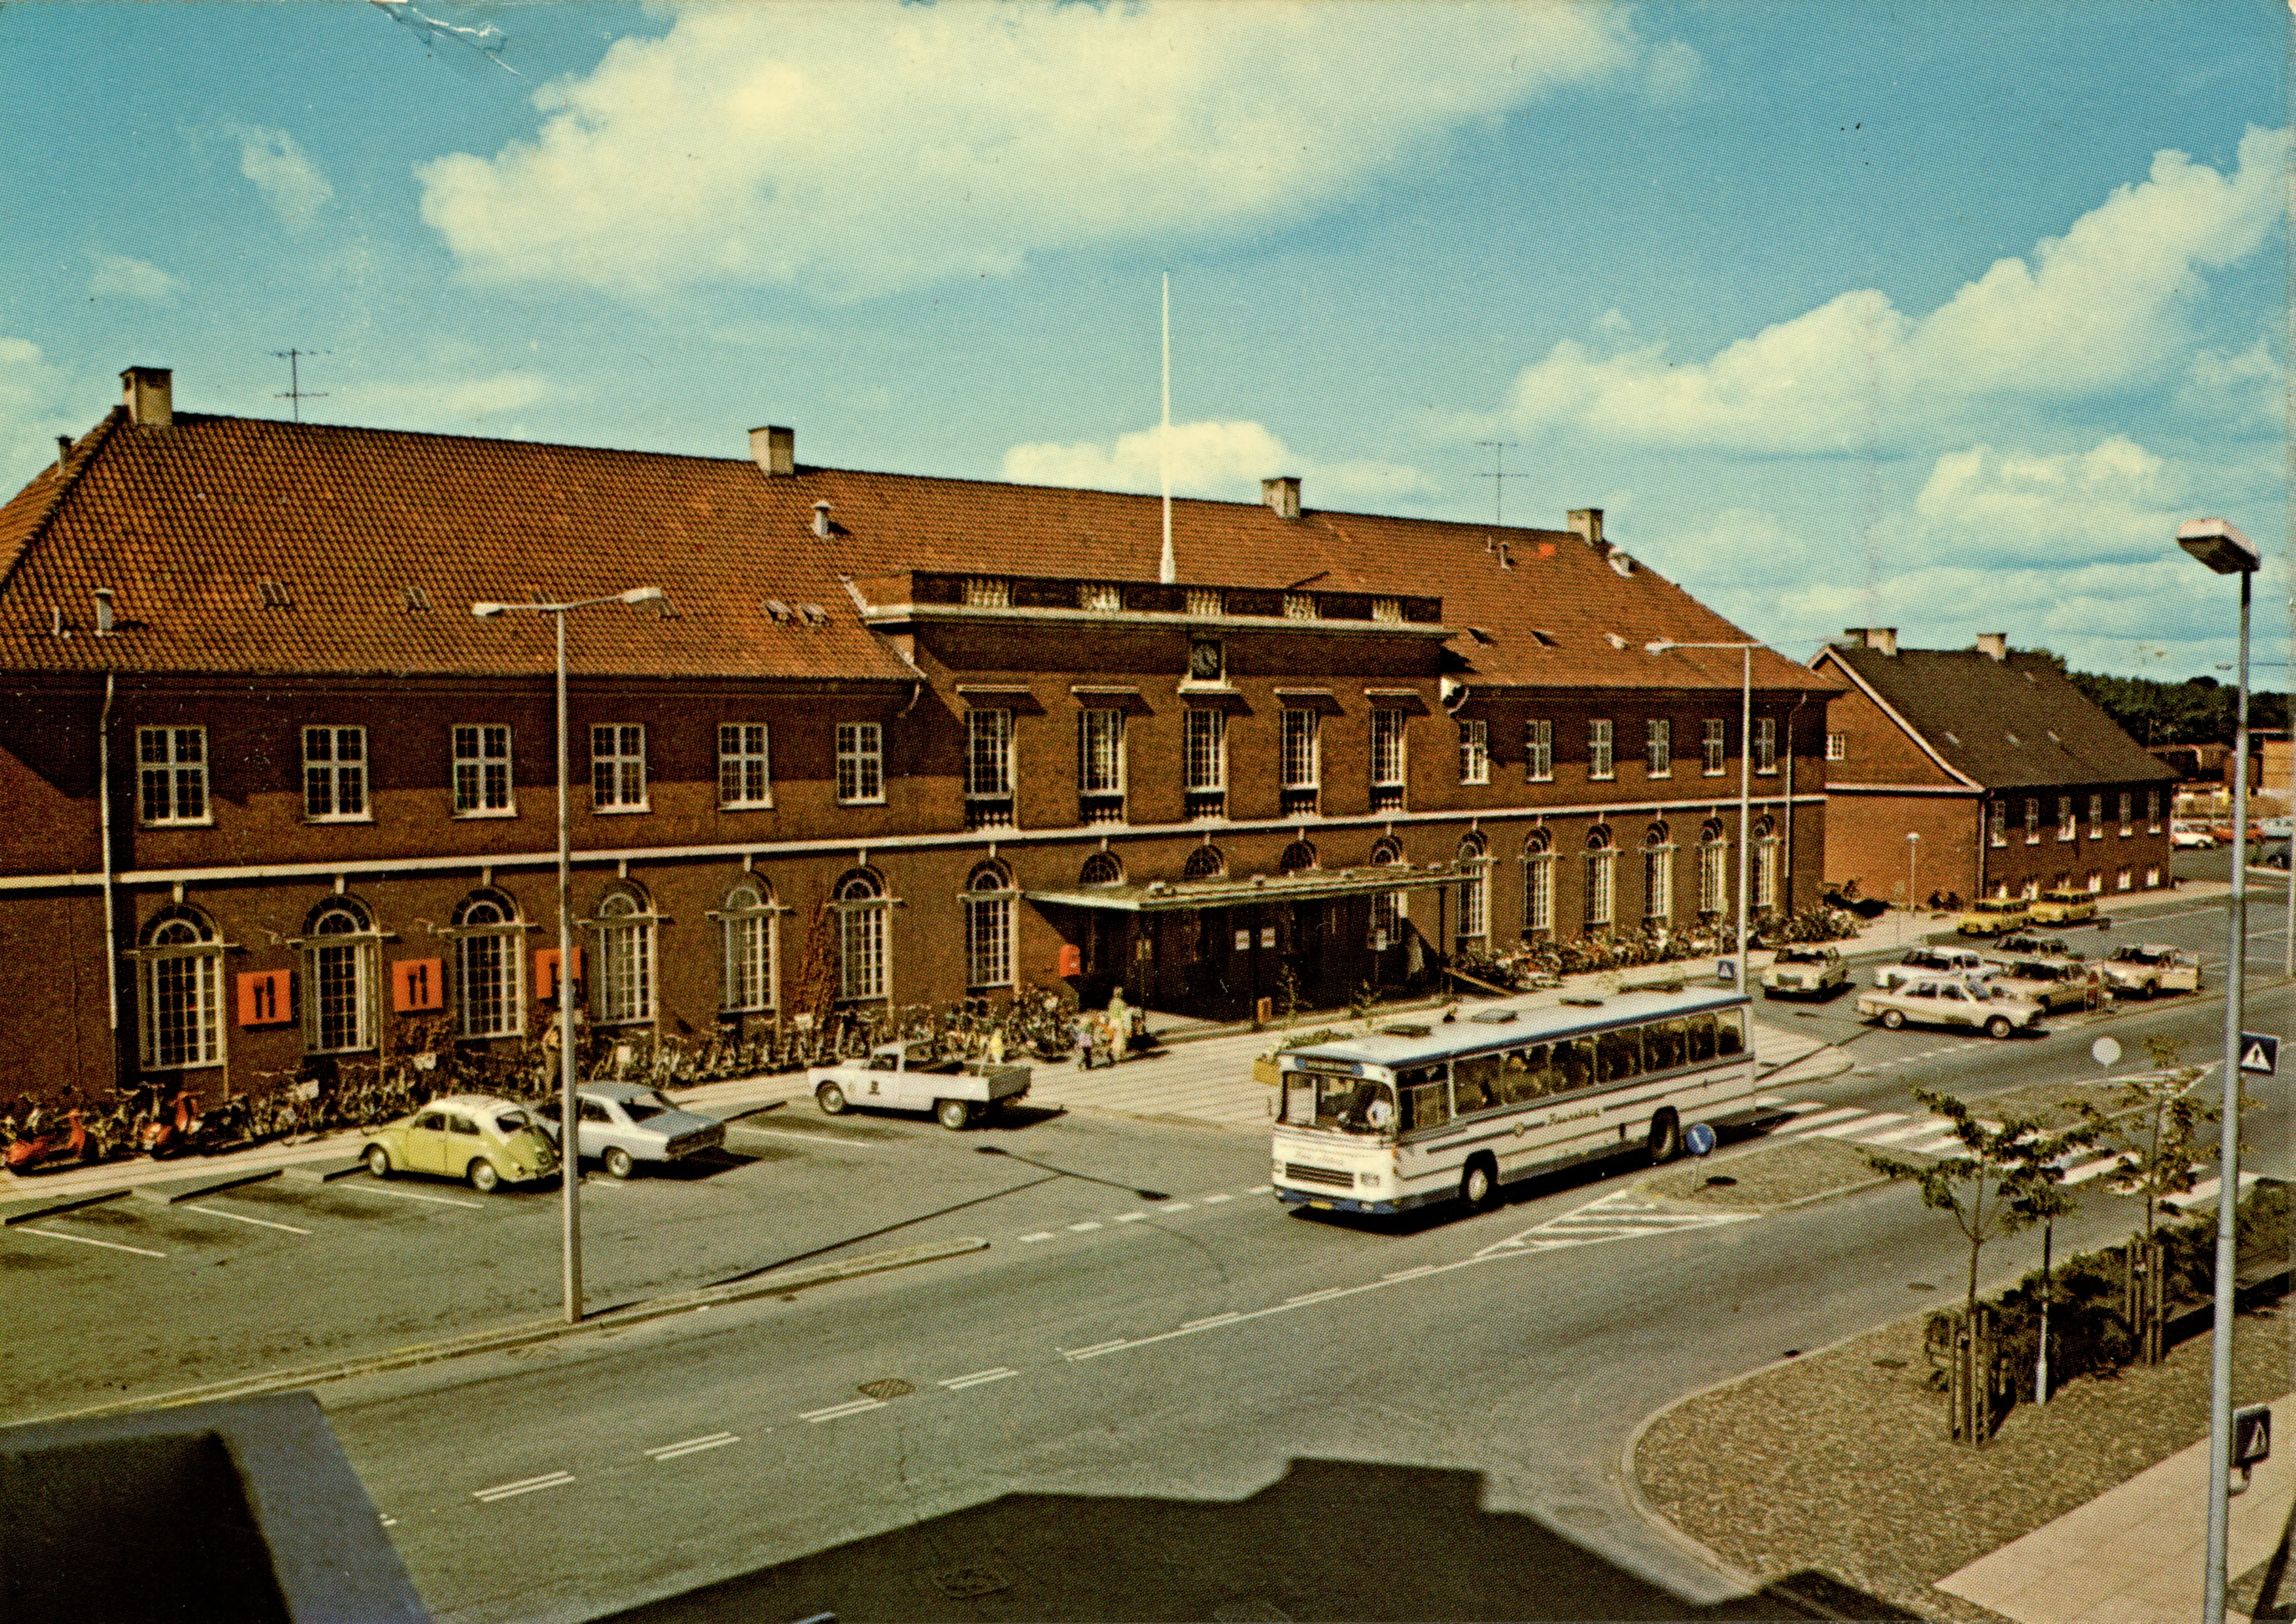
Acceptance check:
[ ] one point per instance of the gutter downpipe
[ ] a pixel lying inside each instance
(1803, 699)
(103, 821)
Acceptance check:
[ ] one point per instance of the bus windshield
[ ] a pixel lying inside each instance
(1352, 1104)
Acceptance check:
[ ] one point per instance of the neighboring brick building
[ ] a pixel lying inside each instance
(2015, 781)
(889, 740)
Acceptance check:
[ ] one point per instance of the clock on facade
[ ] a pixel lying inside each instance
(1204, 660)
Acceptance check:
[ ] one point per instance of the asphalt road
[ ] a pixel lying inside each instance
(1198, 1407)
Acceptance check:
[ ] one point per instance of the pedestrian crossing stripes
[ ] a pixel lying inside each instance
(1616, 1217)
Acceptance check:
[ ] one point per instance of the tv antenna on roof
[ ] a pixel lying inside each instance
(1499, 476)
(295, 392)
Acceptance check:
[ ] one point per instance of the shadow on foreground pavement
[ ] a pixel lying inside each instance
(1329, 1540)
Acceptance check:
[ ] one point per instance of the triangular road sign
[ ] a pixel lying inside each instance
(2259, 1053)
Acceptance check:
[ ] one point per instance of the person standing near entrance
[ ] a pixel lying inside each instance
(1119, 1024)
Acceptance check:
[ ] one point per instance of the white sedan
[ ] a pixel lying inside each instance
(1946, 1001)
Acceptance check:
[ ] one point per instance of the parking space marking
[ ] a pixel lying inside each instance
(510, 1491)
(691, 1445)
(837, 1412)
(783, 1133)
(241, 1217)
(1261, 1190)
(89, 1240)
(1176, 1207)
(410, 1195)
(977, 1378)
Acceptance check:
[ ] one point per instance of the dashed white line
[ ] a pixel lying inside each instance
(86, 1240)
(1080, 1229)
(241, 1217)
(959, 1384)
(1261, 1190)
(1210, 1320)
(691, 1445)
(1213, 1201)
(1041, 1234)
(1839, 1113)
(1175, 1206)
(1127, 1217)
(783, 1133)
(510, 1491)
(1073, 1355)
(1410, 1274)
(1305, 1298)
(837, 1411)
(1858, 1127)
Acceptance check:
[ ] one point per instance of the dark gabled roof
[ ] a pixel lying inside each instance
(2004, 723)
(243, 546)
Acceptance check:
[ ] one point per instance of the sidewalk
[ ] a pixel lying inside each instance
(2134, 1553)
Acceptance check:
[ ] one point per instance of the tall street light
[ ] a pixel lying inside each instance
(569, 1115)
(1745, 775)
(1913, 851)
(2228, 551)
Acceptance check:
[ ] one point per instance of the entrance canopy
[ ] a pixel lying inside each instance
(1306, 885)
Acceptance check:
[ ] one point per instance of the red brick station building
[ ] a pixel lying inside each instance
(267, 787)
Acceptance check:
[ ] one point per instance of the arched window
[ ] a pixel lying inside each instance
(746, 926)
(862, 970)
(1766, 864)
(1298, 856)
(1204, 863)
(339, 978)
(1388, 910)
(1713, 868)
(1100, 868)
(489, 970)
(1474, 893)
(1602, 877)
(988, 927)
(1537, 882)
(625, 981)
(1657, 875)
(182, 989)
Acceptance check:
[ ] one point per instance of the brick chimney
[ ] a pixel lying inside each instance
(149, 393)
(1994, 645)
(1282, 495)
(1881, 639)
(775, 451)
(1587, 522)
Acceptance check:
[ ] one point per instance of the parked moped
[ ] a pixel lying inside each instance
(56, 1146)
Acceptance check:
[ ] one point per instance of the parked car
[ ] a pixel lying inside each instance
(2148, 969)
(1920, 962)
(2195, 837)
(1951, 1001)
(2068, 907)
(1997, 916)
(2053, 983)
(2030, 945)
(1809, 971)
(475, 1137)
(2276, 828)
(623, 1124)
(910, 1077)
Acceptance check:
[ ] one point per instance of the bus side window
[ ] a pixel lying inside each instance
(1475, 1081)
(1578, 1057)
(1547, 1068)
(1299, 1099)
(1702, 1038)
(1519, 1074)
(1429, 1105)
(1662, 1044)
(1729, 1036)
(1618, 1054)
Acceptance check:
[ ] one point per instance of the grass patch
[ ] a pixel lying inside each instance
(1797, 1169)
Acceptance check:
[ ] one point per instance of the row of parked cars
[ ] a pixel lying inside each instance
(2012, 987)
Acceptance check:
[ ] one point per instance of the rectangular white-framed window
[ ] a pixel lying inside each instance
(746, 933)
(1658, 747)
(1303, 754)
(1658, 882)
(1387, 749)
(987, 592)
(1766, 744)
(988, 754)
(2066, 816)
(172, 775)
(2096, 817)
(2151, 815)
(2127, 819)
(2152, 878)
(988, 937)
(1714, 747)
(2125, 879)
(1837, 746)
(1766, 871)
(1997, 824)
(482, 783)
(745, 773)
(860, 763)
(2093, 881)
(491, 983)
(183, 1010)
(1538, 751)
(1474, 752)
(1203, 749)
(339, 992)
(861, 968)
(1538, 891)
(1600, 876)
(1713, 876)
(1600, 738)
(1475, 906)
(334, 776)
(2032, 820)
(1100, 752)
(625, 964)
(618, 774)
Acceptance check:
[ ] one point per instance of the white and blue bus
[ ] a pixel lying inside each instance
(1412, 1114)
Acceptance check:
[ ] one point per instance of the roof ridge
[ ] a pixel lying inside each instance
(75, 463)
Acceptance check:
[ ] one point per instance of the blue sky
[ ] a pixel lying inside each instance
(1938, 317)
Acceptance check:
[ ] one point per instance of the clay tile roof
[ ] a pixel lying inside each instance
(2004, 723)
(186, 523)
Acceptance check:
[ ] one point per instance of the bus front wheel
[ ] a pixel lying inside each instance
(1665, 1137)
(1479, 1184)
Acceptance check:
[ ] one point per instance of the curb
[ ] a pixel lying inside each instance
(530, 1333)
(158, 1194)
(70, 1203)
(315, 1173)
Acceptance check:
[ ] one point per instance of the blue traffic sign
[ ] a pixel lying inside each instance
(2259, 1053)
(1698, 1139)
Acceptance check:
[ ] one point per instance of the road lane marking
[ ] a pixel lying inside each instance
(1410, 1274)
(1922, 1129)
(241, 1217)
(854, 1406)
(1042, 1235)
(1617, 1217)
(1860, 1126)
(1176, 1207)
(691, 1445)
(510, 1491)
(1213, 1201)
(1261, 1190)
(410, 1195)
(1839, 1113)
(86, 1240)
(1074, 1354)
(1081, 1228)
(783, 1133)
(1127, 1217)
(1305, 1298)
(1210, 1320)
(959, 1384)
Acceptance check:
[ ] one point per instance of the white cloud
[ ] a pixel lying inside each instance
(2243, 391)
(33, 396)
(1222, 460)
(783, 145)
(117, 275)
(435, 403)
(284, 174)
(2115, 501)
(2100, 307)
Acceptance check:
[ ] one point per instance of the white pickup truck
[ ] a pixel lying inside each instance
(910, 1077)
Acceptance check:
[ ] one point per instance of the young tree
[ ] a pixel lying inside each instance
(2003, 1180)
(2154, 1123)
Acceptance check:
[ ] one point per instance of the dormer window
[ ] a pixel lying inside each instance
(1387, 609)
(274, 595)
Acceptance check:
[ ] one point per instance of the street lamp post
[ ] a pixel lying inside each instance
(1913, 851)
(569, 1115)
(2228, 551)
(1660, 645)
